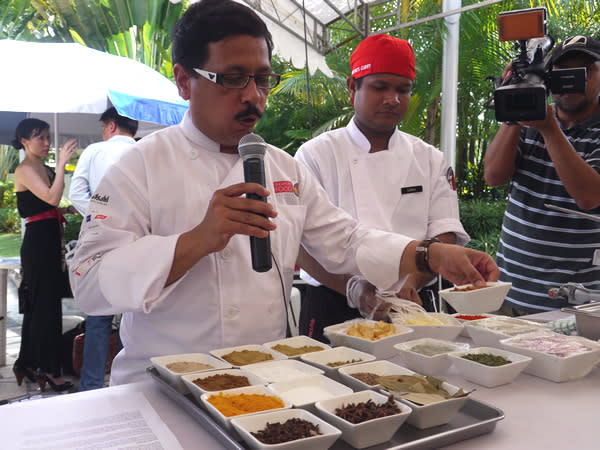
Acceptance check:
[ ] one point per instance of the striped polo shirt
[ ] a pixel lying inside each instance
(541, 248)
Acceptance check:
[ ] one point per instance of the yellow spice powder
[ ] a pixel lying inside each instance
(234, 405)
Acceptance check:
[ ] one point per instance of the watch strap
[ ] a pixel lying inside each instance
(422, 255)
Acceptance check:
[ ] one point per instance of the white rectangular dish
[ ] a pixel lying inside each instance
(247, 425)
(304, 392)
(381, 367)
(367, 433)
(161, 364)
(479, 300)
(434, 362)
(488, 332)
(283, 370)
(485, 375)
(197, 390)
(381, 348)
(555, 357)
(429, 324)
(336, 355)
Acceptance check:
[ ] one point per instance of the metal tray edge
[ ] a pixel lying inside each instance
(194, 410)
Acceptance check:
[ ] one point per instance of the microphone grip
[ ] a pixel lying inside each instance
(260, 248)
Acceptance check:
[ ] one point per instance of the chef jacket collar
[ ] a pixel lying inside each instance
(361, 140)
(197, 137)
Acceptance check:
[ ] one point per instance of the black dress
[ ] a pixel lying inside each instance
(45, 281)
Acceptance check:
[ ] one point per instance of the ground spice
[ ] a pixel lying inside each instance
(361, 412)
(241, 358)
(487, 358)
(366, 377)
(188, 366)
(288, 350)
(343, 363)
(290, 430)
(220, 382)
(234, 405)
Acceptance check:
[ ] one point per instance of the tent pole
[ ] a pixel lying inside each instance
(307, 74)
(55, 125)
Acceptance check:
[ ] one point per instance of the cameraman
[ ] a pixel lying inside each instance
(555, 161)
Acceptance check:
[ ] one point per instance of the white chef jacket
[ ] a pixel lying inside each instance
(91, 167)
(404, 189)
(161, 188)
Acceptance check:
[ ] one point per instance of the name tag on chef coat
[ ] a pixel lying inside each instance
(411, 189)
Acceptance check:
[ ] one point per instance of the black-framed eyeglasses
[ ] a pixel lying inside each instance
(265, 81)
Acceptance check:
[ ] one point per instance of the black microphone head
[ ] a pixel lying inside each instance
(252, 146)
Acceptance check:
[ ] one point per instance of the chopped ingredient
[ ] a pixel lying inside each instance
(363, 411)
(432, 349)
(466, 317)
(222, 381)
(290, 430)
(241, 358)
(188, 366)
(234, 405)
(373, 333)
(366, 377)
(487, 358)
(418, 389)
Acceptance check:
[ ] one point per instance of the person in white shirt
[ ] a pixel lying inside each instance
(384, 178)
(117, 134)
(168, 240)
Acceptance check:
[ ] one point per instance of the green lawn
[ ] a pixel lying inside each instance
(10, 244)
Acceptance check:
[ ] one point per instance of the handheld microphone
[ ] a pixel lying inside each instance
(252, 149)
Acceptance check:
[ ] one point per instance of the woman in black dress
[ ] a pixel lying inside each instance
(45, 279)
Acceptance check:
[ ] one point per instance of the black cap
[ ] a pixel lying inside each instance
(581, 44)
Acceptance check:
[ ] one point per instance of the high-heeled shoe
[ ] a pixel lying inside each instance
(22, 372)
(42, 379)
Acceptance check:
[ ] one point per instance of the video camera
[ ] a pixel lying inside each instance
(522, 96)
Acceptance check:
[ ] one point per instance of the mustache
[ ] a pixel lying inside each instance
(250, 110)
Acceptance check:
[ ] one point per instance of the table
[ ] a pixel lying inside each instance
(539, 413)
(6, 264)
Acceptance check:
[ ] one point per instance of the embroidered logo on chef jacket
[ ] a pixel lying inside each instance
(297, 189)
(100, 199)
(450, 178)
(82, 268)
(88, 217)
(100, 217)
(411, 189)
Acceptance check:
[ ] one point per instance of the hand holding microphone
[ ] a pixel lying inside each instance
(252, 149)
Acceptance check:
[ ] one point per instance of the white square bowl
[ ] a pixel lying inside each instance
(489, 376)
(448, 329)
(370, 432)
(381, 367)
(225, 421)
(381, 348)
(174, 378)
(197, 391)
(434, 414)
(425, 364)
(337, 354)
(488, 332)
(304, 392)
(246, 425)
(297, 342)
(470, 318)
(545, 346)
(219, 353)
(282, 370)
(481, 300)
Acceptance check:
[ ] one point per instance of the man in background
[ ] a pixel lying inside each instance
(117, 135)
(384, 178)
(552, 161)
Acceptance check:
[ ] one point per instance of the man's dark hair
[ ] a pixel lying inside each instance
(358, 82)
(28, 128)
(126, 124)
(211, 21)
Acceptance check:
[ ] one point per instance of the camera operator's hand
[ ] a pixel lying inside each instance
(507, 72)
(546, 126)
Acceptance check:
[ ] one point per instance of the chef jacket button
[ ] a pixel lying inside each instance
(355, 161)
(231, 313)
(226, 253)
(272, 307)
(193, 153)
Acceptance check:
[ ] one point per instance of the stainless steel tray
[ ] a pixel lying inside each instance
(474, 419)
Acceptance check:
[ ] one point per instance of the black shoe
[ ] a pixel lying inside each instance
(43, 378)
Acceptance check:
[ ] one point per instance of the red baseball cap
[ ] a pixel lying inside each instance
(382, 53)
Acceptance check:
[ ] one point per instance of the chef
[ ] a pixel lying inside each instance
(384, 178)
(166, 238)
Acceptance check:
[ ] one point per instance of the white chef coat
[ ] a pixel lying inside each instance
(404, 189)
(91, 167)
(162, 188)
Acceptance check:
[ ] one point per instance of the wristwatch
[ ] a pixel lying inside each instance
(422, 255)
